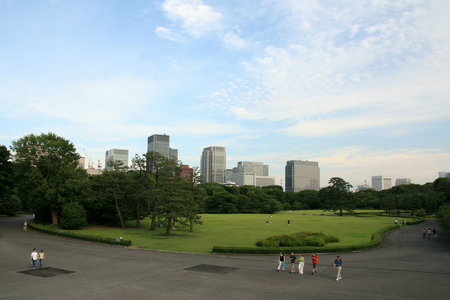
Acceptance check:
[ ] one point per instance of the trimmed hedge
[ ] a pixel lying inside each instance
(375, 242)
(73, 235)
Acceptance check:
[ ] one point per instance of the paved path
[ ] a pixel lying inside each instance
(405, 267)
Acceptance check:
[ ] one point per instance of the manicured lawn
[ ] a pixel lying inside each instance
(245, 229)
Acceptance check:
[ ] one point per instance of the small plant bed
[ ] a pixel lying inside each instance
(298, 239)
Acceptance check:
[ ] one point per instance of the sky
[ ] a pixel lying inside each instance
(361, 87)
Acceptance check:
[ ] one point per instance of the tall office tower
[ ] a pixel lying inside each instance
(161, 143)
(116, 155)
(213, 164)
(381, 183)
(302, 175)
(400, 181)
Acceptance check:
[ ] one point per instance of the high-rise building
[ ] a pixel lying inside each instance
(400, 181)
(213, 164)
(116, 155)
(302, 175)
(160, 143)
(381, 183)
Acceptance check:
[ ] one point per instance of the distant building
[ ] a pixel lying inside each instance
(82, 163)
(400, 181)
(302, 175)
(213, 164)
(116, 155)
(186, 171)
(381, 183)
(252, 173)
(161, 143)
(228, 174)
(444, 174)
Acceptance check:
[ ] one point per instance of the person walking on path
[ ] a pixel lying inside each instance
(429, 233)
(41, 258)
(315, 259)
(25, 225)
(34, 257)
(434, 233)
(424, 233)
(293, 258)
(301, 264)
(281, 262)
(339, 265)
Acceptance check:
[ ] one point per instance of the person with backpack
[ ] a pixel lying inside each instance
(339, 265)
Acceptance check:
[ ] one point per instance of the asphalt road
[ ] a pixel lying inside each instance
(406, 266)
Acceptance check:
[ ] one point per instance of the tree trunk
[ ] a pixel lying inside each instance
(54, 217)
(118, 209)
(138, 217)
(169, 226)
(340, 212)
(191, 225)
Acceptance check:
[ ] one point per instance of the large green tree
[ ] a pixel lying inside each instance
(46, 163)
(9, 202)
(337, 195)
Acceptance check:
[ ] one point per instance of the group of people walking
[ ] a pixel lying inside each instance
(428, 233)
(338, 264)
(35, 256)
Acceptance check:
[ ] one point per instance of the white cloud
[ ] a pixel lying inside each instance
(168, 34)
(359, 68)
(234, 41)
(196, 17)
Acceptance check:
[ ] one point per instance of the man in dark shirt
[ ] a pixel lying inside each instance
(293, 258)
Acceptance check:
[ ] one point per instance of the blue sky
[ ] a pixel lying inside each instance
(362, 87)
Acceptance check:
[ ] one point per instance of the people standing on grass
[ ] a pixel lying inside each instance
(34, 258)
(41, 258)
(301, 264)
(293, 258)
(281, 262)
(395, 222)
(339, 265)
(314, 259)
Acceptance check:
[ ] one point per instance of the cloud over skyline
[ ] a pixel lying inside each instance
(361, 87)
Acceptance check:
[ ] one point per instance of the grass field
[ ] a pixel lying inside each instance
(245, 229)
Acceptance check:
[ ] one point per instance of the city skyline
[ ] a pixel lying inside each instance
(360, 86)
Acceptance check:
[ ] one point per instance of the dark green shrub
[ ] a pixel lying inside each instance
(73, 216)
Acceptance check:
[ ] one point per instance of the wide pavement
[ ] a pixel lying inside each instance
(406, 266)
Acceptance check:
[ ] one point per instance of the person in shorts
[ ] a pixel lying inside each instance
(314, 259)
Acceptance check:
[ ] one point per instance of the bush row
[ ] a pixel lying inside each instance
(299, 239)
(375, 242)
(78, 236)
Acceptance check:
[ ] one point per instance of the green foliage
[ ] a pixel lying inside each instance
(51, 229)
(73, 216)
(443, 216)
(9, 202)
(421, 213)
(317, 239)
(46, 169)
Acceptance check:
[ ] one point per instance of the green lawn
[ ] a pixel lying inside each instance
(245, 229)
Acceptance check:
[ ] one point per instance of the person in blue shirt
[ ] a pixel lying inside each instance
(339, 265)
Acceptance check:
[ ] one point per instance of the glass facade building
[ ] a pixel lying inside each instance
(213, 164)
(302, 175)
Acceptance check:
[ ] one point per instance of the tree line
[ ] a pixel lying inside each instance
(45, 178)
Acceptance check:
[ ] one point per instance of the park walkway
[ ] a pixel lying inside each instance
(404, 267)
